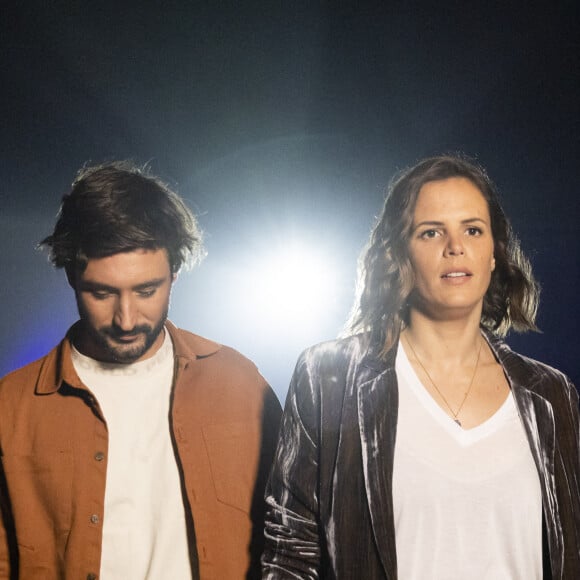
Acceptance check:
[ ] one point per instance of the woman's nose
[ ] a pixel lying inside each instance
(454, 245)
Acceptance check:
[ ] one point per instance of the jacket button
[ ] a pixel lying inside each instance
(94, 519)
(99, 456)
(91, 576)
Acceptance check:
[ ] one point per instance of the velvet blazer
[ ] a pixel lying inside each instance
(330, 504)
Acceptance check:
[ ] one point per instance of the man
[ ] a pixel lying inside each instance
(133, 450)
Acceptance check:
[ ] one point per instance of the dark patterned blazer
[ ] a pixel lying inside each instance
(330, 504)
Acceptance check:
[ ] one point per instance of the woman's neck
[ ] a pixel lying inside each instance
(443, 343)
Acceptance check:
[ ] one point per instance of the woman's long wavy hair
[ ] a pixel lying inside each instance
(386, 278)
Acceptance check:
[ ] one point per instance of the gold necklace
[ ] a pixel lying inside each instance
(453, 413)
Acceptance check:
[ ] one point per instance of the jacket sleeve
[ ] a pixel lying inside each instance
(4, 561)
(292, 537)
(271, 415)
(5, 551)
(575, 413)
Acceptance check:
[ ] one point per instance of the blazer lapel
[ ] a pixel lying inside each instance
(537, 416)
(378, 401)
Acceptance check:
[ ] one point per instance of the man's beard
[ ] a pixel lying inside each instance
(108, 340)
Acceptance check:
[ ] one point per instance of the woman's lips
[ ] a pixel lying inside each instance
(456, 276)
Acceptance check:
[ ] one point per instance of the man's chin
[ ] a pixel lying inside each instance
(109, 346)
(126, 354)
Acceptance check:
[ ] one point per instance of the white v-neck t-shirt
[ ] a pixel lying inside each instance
(467, 503)
(144, 527)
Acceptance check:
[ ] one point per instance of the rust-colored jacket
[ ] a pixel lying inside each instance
(53, 447)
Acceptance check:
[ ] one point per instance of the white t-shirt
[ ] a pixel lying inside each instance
(467, 503)
(144, 528)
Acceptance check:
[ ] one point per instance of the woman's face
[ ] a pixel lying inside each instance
(451, 249)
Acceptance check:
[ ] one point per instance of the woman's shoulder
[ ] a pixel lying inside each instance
(347, 349)
(526, 371)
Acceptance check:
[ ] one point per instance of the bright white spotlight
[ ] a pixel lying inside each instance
(293, 286)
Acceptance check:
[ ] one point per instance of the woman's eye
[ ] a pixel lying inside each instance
(428, 234)
(473, 231)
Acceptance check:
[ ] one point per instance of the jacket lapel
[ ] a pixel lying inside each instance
(378, 402)
(537, 416)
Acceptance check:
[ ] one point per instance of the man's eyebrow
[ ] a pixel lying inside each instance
(93, 285)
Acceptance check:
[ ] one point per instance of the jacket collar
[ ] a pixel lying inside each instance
(516, 367)
(372, 364)
(57, 367)
(195, 348)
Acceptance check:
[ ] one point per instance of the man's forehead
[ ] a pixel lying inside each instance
(127, 268)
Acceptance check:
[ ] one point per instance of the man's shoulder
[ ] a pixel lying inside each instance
(188, 344)
(210, 353)
(27, 374)
(225, 375)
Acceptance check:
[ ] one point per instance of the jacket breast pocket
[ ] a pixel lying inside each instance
(39, 489)
(233, 450)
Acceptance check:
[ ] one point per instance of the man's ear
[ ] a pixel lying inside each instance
(71, 277)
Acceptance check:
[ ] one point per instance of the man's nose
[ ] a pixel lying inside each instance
(125, 313)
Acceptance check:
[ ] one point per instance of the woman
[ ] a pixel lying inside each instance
(421, 446)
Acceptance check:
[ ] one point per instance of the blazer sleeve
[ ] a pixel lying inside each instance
(574, 402)
(292, 539)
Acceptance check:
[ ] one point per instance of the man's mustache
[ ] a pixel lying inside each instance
(115, 332)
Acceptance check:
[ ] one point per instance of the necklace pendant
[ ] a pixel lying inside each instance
(457, 421)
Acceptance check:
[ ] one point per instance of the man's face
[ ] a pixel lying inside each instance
(123, 302)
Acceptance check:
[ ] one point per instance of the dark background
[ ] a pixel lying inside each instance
(281, 123)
